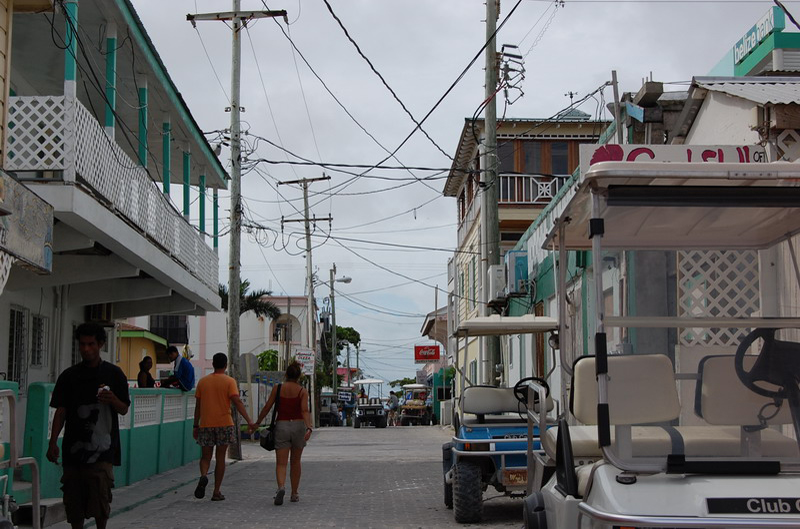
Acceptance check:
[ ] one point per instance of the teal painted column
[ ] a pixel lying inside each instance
(111, 79)
(215, 206)
(166, 158)
(187, 160)
(203, 204)
(143, 124)
(71, 48)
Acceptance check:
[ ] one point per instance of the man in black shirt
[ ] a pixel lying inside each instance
(88, 397)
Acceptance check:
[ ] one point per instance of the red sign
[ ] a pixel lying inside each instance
(424, 354)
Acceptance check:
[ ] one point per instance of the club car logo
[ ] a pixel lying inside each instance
(753, 505)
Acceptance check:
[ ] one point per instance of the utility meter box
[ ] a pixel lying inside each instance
(497, 282)
(517, 272)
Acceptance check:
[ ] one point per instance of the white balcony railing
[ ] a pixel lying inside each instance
(533, 190)
(55, 136)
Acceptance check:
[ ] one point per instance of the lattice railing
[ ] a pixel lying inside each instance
(174, 408)
(146, 410)
(717, 284)
(40, 138)
(36, 137)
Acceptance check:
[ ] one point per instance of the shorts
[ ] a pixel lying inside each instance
(87, 491)
(216, 436)
(290, 434)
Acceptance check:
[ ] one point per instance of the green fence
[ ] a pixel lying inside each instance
(155, 435)
(6, 433)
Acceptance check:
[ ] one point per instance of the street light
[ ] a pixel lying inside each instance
(335, 351)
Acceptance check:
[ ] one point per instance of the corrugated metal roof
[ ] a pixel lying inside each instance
(761, 90)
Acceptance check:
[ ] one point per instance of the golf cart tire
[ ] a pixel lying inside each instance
(467, 492)
(403, 421)
(356, 422)
(447, 463)
(533, 512)
(382, 422)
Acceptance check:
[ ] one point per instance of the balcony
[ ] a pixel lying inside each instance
(56, 139)
(529, 190)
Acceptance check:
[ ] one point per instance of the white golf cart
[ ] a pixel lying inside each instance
(369, 409)
(707, 434)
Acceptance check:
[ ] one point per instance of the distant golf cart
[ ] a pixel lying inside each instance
(327, 416)
(415, 409)
(369, 409)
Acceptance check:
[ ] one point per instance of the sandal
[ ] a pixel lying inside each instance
(279, 496)
(294, 498)
(217, 497)
(200, 491)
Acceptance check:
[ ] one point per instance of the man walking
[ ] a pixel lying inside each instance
(88, 398)
(213, 423)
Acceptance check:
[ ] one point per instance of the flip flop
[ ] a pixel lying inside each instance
(279, 496)
(294, 498)
(200, 491)
(217, 497)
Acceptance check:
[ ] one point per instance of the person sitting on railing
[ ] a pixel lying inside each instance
(145, 379)
(183, 372)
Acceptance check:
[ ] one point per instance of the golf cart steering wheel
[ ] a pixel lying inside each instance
(521, 390)
(764, 368)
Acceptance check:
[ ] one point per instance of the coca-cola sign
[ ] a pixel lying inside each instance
(424, 354)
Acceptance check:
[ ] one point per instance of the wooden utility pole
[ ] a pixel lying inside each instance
(311, 313)
(238, 20)
(490, 221)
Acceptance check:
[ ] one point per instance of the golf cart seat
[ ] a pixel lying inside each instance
(488, 405)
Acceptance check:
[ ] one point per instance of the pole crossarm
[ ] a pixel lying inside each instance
(239, 15)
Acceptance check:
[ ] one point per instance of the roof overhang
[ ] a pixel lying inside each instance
(496, 325)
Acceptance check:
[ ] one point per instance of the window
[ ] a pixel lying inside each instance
(472, 283)
(76, 353)
(17, 346)
(505, 156)
(173, 328)
(473, 372)
(531, 157)
(39, 333)
(462, 206)
(461, 291)
(559, 157)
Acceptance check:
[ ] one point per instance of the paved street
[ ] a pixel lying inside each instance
(351, 478)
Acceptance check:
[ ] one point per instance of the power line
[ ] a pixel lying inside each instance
(372, 67)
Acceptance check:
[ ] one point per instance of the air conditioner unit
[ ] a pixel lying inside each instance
(497, 282)
(102, 313)
(516, 262)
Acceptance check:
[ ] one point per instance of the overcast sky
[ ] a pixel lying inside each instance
(420, 48)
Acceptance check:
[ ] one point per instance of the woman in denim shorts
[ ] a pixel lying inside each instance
(293, 428)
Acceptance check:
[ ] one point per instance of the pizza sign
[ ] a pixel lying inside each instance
(424, 354)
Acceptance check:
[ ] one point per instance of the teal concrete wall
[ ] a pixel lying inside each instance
(150, 444)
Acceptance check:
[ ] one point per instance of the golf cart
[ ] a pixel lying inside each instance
(328, 402)
(705, 433)
(369, 409)
(492, 432)
(415, 409)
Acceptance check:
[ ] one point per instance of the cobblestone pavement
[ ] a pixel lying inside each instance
(351, 478)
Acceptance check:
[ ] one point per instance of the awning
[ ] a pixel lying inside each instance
(496, 325)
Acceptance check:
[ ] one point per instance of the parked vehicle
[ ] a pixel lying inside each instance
(369, 409)
(490, 447)
(416, 408)
(706, 434)
(329, 408)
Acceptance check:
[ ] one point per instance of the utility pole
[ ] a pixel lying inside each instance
(490, 222)
(335, 346)
(238, 19)
(311, 313)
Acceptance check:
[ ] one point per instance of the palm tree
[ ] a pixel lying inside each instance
(251, 301)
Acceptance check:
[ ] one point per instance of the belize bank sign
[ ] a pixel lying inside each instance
(773, 21)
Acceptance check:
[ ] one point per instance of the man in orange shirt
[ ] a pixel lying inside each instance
(213, 423)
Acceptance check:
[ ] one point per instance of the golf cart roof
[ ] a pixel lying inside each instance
(668, 205)
(415, 386)
(496, 325)
(366, 381)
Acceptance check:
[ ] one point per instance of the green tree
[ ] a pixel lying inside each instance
(251, 301)
(402, 381)
(268, 360)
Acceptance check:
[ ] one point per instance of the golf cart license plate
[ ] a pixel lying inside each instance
(753, 505)
(515, 477)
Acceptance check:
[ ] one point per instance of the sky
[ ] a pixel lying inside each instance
(342, 113)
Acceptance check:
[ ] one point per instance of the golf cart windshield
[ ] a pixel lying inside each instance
(694, 361)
